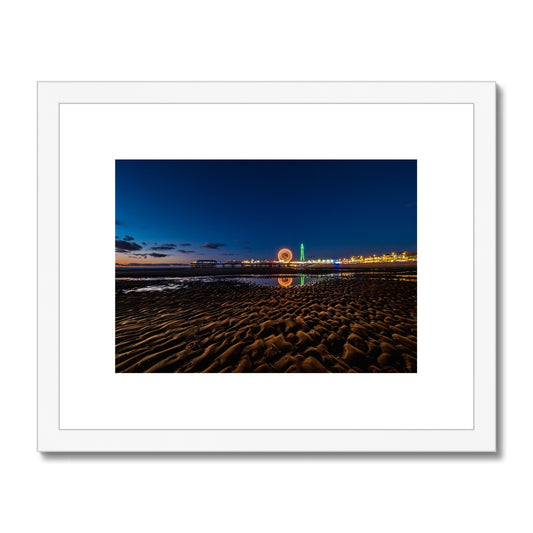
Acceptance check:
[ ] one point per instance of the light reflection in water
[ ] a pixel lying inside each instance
(285, 282)
(272, 280)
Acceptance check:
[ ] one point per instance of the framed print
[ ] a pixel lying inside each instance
(266, 266)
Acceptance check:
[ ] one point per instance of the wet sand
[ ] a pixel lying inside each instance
(336, 325)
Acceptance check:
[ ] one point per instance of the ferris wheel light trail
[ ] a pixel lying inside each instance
(284, 255)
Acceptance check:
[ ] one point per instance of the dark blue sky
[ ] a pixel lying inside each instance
(242, 209)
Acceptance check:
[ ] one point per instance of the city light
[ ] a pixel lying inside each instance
(285, 258)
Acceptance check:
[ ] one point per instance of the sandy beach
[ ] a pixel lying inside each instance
(347, 324)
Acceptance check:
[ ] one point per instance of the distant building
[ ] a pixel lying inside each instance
(204, 262)
(384, 258)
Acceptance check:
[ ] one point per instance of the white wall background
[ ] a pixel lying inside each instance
(277, 40)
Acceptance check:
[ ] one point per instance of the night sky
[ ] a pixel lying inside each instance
(173, 211)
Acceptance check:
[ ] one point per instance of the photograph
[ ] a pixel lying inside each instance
(269, 232)
(272, 266)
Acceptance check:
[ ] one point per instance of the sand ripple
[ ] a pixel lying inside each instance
(343, 325)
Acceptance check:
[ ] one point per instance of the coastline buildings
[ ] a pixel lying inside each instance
(392, 257)
(204, 262)
(285, 257)
(385, 258)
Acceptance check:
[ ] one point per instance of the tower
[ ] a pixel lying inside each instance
(302, 255)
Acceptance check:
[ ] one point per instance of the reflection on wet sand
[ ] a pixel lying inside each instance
(285, 282)
(158, 284)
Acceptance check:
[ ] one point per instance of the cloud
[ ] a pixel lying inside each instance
(242, 242)
(126, 246)
(145, 255)
(228, 254)
(246, 248)
(212, 245)
(118, 222)
(146, 264)
(186, 251)
(185, 244)
(144, 243)
(128, 238)
(164, 247)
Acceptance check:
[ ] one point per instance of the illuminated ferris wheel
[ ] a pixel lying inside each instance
(284, 255)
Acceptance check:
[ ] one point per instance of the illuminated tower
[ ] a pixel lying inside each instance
(302, 255)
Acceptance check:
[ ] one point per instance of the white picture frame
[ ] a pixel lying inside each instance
(72, 420)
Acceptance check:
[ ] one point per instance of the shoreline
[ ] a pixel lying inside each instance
(238, 270)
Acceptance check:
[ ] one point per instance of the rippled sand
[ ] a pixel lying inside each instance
(342, 325)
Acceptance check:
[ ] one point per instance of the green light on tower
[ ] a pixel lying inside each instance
(302, 255)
